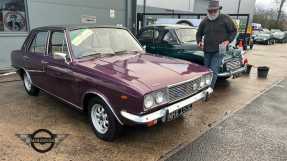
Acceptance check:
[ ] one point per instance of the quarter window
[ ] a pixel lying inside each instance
(39, 43)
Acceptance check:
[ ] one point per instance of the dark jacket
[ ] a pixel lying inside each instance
(215, 32)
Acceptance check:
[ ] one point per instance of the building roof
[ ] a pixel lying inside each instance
(171, 26)
(74, 27)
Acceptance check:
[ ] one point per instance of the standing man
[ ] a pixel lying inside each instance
(216, 29)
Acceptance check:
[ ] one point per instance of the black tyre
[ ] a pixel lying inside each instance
(223, 78)
(29, 87)
(102, 120)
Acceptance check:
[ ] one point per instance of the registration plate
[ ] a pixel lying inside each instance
(175, 114)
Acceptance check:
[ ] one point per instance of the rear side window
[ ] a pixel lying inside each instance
(39, 43)
(149, 34)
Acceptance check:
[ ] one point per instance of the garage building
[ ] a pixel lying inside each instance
(18, 17)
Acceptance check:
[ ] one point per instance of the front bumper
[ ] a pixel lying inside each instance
(163, 112)
(231, 73)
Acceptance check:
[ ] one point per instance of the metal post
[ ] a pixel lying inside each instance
(238, 9)
(144, 12)
(134, 15)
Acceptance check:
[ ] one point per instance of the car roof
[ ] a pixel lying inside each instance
(171, 26)
(75, 27)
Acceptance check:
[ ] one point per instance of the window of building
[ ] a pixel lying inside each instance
(39, 43)
(13, 17)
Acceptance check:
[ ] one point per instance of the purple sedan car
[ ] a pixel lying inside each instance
(105, 72)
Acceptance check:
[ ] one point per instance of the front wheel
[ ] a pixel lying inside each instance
(102, 120)
(29, 87)
(223, 78)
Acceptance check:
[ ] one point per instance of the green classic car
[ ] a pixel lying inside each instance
(179, 41)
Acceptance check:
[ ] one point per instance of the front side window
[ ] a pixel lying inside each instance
(186, 35)
(39, 43)
(58, 43)
(102, 41)
(168, 37)
(13, 17)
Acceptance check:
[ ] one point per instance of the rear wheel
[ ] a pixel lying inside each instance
(29, 87)
(102, 120)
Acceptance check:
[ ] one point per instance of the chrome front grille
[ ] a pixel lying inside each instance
(183, 90)
(233, 65)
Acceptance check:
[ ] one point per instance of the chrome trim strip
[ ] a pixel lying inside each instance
(80, 108)
(62, 99)
(183, 82)
(106, 101)
(162, 112)
(226, 74)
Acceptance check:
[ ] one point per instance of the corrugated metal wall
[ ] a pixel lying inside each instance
(57, 12)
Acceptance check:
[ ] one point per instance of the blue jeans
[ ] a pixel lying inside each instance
(213, 60)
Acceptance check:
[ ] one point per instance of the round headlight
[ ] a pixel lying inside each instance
(202, 81)
(159, 97)
(208, 80)
(148, 101)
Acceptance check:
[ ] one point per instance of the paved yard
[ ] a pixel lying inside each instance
(257, 133)
(20, 113)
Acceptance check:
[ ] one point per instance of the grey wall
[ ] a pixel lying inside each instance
(229, 6)
(57, 12)
(200, 6)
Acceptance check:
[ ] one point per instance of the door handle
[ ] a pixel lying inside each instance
(26, 57)
(44, 62)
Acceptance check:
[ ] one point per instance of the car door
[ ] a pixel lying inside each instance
(35, 58)
(168, 45)
(59, 70)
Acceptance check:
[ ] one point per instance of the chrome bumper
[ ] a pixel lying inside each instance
(162, 112)
(231, 73)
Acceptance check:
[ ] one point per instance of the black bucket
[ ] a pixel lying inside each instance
(248, 69)
(262, 72)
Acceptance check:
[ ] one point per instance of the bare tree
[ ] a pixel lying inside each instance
(282, 2)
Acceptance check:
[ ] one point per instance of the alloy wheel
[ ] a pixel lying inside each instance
(100, 118)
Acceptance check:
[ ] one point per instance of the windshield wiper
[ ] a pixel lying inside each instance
(97, 54)
(125, 51)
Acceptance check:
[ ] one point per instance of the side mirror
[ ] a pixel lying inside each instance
(60, 56)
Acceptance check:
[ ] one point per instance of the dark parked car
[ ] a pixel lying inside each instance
(279, 36)
(105, 71)
(179, 41)
(264, 37)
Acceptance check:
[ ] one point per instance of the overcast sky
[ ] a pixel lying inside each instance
(184, 4)
(268, 4)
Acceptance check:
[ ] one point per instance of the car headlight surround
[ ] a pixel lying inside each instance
(206, 80)
(155, 99)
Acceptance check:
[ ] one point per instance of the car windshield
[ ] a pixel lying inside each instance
(186, 34)
(102, 41)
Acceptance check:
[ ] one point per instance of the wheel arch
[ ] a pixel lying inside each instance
(95, 94)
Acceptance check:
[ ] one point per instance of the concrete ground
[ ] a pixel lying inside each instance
(20, 113)
(257, 133)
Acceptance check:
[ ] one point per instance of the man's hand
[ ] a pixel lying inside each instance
(200, 45)
(226, 43)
